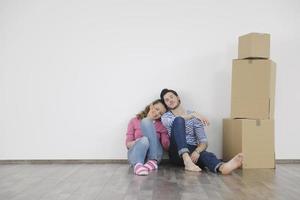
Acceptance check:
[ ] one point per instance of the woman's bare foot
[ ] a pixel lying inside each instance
(231, 165)
(188, 163)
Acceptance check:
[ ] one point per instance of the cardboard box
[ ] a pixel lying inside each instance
(254, 45)
(254, 138)
(253, 89)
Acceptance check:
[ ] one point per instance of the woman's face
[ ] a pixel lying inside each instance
(171, 100)
(156, 110)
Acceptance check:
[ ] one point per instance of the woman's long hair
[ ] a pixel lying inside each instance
(144, 113)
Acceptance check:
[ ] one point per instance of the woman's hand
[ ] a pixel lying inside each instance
(195, 156)
(203, 119)
(130, 144)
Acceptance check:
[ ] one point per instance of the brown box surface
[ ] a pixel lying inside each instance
(254, 138)
(253, 89)
(254, 45)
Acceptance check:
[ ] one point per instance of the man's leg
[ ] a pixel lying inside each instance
(209, 160)
(178, 134)
(173, 153)
(234, 163)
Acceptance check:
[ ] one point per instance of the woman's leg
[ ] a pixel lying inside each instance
(155, 148)
(137, 155)
(179, 146)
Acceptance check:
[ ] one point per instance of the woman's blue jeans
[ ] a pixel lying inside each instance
(178, 146)
(147, 147)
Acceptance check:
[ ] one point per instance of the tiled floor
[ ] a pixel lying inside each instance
(116, 181)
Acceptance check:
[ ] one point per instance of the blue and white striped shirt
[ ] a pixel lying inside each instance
(195, 133)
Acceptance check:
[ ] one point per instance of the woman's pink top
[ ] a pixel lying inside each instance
(134, 132)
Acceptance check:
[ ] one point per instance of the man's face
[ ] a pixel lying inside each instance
(171, 100)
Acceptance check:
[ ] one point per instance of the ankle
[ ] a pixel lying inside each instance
(151, 165)
(220, 168)
(152, 160)
(188, 161)
(140, 170)
(186, 157)
(137, 164)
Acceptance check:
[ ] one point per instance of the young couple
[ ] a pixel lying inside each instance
(165, 124)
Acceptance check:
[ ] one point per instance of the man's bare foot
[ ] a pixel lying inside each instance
(188, 163)
(231, 165)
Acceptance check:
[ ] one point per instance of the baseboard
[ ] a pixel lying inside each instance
(73, 161)
(107, 161)
(288, 161)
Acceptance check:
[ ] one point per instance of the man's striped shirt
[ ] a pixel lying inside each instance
(195, 133)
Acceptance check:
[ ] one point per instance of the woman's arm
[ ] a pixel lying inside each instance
(130, 139)
(164, 138)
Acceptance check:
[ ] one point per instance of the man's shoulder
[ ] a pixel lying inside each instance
(167, 114)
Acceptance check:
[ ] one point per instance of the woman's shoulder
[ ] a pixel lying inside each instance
(134, 120)
(158, 124)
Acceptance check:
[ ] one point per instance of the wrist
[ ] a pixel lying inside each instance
(191, 115)
(197, 151)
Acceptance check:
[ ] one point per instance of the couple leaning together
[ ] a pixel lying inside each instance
(165, 124)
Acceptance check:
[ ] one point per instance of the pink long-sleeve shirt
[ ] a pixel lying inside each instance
(134, 132)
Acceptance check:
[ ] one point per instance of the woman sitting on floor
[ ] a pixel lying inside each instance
(146, 138)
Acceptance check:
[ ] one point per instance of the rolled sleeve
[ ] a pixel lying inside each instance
(200, 132)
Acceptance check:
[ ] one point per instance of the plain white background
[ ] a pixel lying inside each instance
(73, 73)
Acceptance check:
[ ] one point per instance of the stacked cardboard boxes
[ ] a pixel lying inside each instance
(250, 129)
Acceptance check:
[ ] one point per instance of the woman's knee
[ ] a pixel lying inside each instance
(146, 122)
(144, 141)
(147, 127)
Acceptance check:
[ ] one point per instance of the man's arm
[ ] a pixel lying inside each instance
(187, 116)
(203, 119)
(201, 140)
(201, 147)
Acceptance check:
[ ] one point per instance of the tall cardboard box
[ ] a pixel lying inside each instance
(254, 45)
(254, 138)
(253, 89)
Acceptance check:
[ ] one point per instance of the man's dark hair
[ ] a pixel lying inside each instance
(165, 91)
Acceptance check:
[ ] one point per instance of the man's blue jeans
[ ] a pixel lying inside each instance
(147, 147)
(178, 146)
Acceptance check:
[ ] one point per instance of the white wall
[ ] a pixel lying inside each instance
(72, 73)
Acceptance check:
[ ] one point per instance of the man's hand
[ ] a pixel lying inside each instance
(203, 119)
(195, 156)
